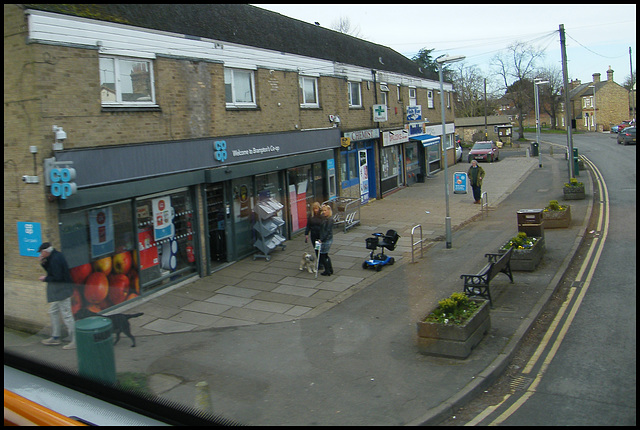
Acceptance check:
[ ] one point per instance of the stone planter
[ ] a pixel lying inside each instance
(454, 341)
(526, 260)
(574, 193)
(557, 219)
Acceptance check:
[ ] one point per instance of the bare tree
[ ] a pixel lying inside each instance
(516, 68)
(469, 84)
(551, 93)
(343, 25)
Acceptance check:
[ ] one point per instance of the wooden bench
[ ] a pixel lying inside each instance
(478, 284)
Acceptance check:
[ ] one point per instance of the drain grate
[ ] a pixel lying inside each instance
(520, 383)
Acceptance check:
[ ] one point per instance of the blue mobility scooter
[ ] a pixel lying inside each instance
(388, 241)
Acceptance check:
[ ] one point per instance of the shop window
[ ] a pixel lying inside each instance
(166, 224)
(300, 183)
(99, 246)
(126, 82)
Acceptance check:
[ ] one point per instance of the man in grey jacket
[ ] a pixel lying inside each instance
(59, 291)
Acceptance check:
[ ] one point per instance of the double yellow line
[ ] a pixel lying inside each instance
(588, 264)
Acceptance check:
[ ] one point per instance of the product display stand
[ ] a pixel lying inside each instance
(269, 228)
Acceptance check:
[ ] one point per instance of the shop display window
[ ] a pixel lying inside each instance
(165, 228)
(99, 247)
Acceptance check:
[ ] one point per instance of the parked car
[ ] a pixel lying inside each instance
(627, 136)
(618, 128)
(486, 150)
(458, 152)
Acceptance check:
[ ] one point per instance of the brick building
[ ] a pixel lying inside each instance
(604, 103)
(150, 133)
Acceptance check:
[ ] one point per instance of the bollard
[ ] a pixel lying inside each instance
(203, 397)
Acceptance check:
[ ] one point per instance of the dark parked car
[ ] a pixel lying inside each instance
(486, 150)
(627, 136)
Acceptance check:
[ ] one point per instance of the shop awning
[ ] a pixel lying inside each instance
(426, 139)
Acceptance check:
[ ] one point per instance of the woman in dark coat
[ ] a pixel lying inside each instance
(326, 239)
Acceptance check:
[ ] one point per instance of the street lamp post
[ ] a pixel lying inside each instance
(536, 82)
(442, 60)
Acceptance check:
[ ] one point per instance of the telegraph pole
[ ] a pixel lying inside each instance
(631, 91)
(567, 104)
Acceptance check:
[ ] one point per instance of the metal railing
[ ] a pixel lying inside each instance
(485, 203)
(414, 243)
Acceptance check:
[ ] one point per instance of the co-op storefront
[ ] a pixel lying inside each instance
(161, 212)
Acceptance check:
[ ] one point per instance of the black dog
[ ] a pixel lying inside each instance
(120, 322)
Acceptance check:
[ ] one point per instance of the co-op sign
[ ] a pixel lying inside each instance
(60, 176)
(221, 152)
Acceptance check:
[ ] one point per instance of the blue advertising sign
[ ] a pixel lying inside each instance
(414, 113)
(460, 183)
(29, 238)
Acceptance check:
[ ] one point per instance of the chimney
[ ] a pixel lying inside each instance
(596, 78)
(575, 83)
(610, 74)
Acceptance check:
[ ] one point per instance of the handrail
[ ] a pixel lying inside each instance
(485, 203)
(413, 244)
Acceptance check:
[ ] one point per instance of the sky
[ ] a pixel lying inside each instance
(597, 36)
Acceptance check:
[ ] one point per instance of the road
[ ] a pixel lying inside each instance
(585, 370)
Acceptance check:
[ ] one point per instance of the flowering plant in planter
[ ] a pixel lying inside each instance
(573, 183)
(520, 241)
(555, 206)
(453, 310)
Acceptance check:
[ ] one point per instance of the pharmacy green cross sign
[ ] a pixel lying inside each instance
(379, 113)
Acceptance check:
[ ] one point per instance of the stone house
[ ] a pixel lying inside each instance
(598, 105)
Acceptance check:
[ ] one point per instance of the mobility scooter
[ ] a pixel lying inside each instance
(383, 241)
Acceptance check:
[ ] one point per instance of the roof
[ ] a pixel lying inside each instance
(247, 25)
(479, 120)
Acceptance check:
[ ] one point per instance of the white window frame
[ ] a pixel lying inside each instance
(430, 99)
(399, 98)
(309, 80)
(413, 96)
(233, 74)
(358, 103)
(117, 65)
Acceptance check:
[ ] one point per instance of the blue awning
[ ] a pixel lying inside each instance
(426, 139)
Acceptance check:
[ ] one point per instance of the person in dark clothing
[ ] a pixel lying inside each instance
(59, 291)
(314, 225)
(476, 174)
(326, 239)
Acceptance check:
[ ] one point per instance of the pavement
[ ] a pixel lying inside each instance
(279, 346)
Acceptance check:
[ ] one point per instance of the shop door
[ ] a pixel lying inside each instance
(363, 171)
(217, 221)
(243, 238)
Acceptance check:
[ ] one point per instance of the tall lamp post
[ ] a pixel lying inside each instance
(536, 82)
(442, 60)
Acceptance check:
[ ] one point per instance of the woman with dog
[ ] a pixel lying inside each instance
(326, 239)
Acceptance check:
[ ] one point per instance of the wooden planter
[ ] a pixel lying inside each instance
(454, 341)
(574, 193)
(526, 260)
(557, 219)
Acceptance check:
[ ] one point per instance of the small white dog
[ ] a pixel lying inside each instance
(308, 262)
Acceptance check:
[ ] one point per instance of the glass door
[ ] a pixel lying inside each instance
(242, 193)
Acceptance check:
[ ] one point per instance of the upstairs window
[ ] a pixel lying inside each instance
(126, 82)
(355, 96)
(430, 99)
(239, 88)
(309, 92)
(413, 101)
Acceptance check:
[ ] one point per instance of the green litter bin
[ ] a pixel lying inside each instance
(534, 149)
(94, 342)
(576, 162)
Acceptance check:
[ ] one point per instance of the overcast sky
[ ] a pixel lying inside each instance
(597, 36)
